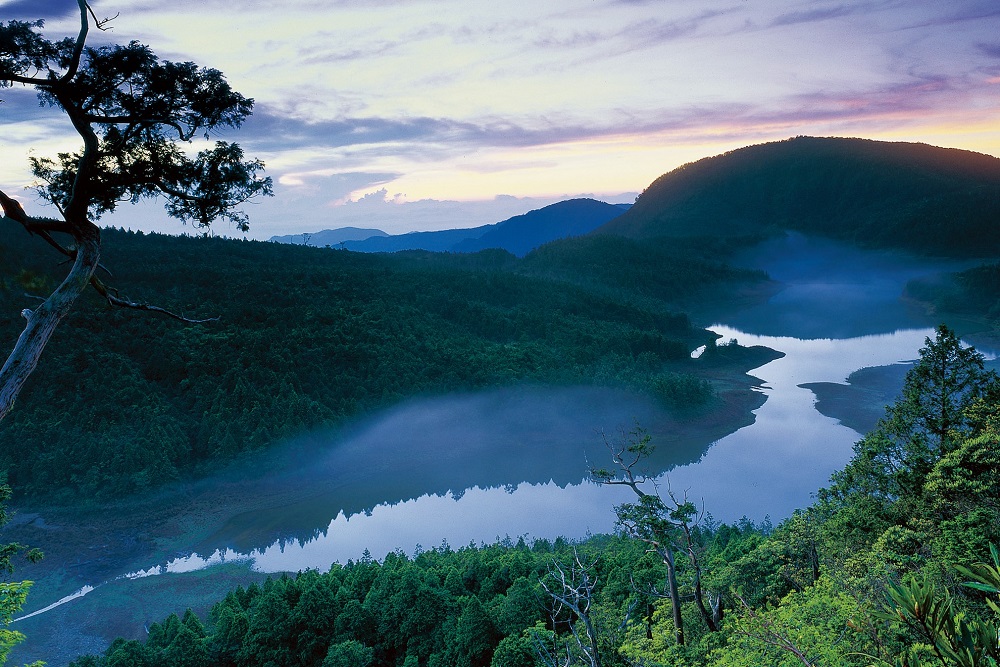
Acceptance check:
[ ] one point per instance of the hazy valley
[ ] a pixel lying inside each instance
(348, 401)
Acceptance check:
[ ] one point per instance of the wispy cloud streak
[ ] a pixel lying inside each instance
(444, 99)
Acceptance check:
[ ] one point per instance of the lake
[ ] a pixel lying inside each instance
(513, 462)
(766, 469)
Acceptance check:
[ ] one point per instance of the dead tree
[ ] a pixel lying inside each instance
(665, 526)
(571, 589)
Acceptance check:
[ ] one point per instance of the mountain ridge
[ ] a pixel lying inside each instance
(329, 237)
(909, 196)
(518, 235)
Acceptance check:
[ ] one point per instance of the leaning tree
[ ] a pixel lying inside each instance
(138, 117)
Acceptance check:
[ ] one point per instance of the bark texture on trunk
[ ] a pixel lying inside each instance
(43, 320)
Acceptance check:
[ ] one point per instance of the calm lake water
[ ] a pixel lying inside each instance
(840, 310)
(474, 468)
(766, 469)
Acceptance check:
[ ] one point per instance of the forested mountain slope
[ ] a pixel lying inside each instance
(930, 200)
(973, 294)
(876, 571)
(307, 337)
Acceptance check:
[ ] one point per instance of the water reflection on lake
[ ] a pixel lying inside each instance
(766, 469)
(512, 462)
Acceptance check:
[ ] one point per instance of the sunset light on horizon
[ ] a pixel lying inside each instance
(433, 114)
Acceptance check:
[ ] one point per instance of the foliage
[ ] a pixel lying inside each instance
(805, 592)
(442, 607)
(945, 635)
(883, 487)
(307, 338)
(973, 293)
(141, 109)
(805, 627)
(12, 593)
(134, 115)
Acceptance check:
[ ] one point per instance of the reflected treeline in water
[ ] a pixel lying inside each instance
(323, 501)
(766, 469)
(441, 446)
(487, 440)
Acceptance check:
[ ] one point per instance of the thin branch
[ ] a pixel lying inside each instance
(12, 209)
(770, 635)
(27, 80)
(100, 23)
(116, 300)
(140, 121)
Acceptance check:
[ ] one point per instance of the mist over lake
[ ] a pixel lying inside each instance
(514, 462)
(830, 289)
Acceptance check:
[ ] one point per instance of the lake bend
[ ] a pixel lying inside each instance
(765, 469)
(478, 467)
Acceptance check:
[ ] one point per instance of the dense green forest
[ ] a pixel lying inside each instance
(310, 337)
(974, 293)
(884, 568)
(914, 197)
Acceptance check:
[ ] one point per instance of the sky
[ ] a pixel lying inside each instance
(406, 115)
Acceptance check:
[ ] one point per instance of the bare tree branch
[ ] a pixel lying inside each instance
(110, 294)
(572, 588)
(770, 634)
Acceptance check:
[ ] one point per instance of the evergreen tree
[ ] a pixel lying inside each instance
(925, 423)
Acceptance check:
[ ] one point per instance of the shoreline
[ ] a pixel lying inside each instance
(94, 545)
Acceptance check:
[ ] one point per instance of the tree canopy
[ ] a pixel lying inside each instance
(137, 117)
(918, 588)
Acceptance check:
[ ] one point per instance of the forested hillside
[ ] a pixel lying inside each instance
(884, 568)
(921, 198)
(309, 337)
(974, 293)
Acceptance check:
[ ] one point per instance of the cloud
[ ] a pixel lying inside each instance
(636, 35)
(38, 9)
(336, 186)
(992, 50)
(325, 56)
(975, 11)
(271, 128)
(919, 94)
(813, 15)
(268, 6)
(355, 144)
(21, 104)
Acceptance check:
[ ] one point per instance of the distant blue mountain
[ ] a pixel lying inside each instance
(518, 235)
(523, 233)
(441, 241)
(329, 237)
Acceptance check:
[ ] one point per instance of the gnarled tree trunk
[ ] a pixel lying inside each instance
(43, 320)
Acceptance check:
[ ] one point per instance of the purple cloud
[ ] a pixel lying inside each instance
(813, 15)
(29, 10)
(992, 50)
(972, 11)
(424, 137)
